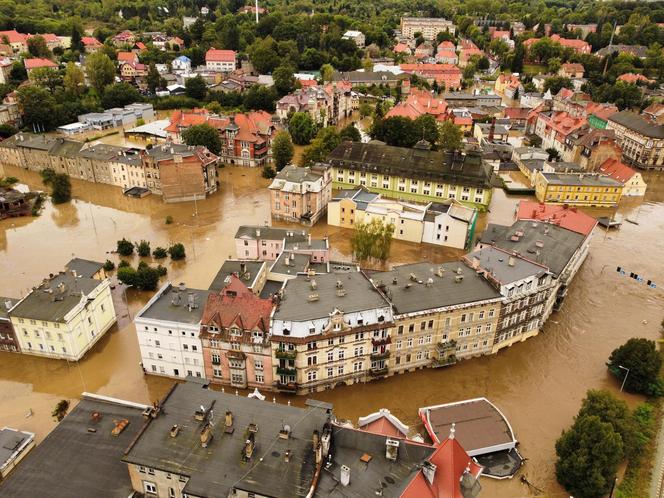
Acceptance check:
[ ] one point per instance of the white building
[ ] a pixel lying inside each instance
(429, 27)
(449, 224)
(168, 330)
(355, 36)
(181, 64)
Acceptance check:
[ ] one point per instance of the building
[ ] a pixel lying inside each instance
(443, 74)
(412, 174)
(123, 38)
(635, 79)
(579, 189)
(463, 99)
(639, 51)
(90, 44)
(490, 132)
(223, 61)
(253, 274)
(368, 78)
(633, 182)
(642, 141)
(578, 46)
(64, 316)
(529, 160)
(181, 64)
(17, 41)
(235, 334)
(301, 194)
(418, 103)
(38, 63)
(442, 313)
(449, 224)
(14, 447)
(424, 50)
(571, 70)
(325, 104)
(330, 330)
(429, 27)
(355, 36)
(564, 216)
(8, 339)
(266, 243)
(217, 446)
(556, 129)
(81, 455)
(168, 328)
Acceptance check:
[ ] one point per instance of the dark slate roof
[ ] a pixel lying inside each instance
(214, 470)
(245, 270)
(497, 263)
(297, 263)
(348, 446)
(637, 123)
(171, 304)
(4, 307)
(558, 244)
(583, 180)
(270, 233)
(412, 293)
(636, 50)
(296, 174)
(367, 76)
(12, 441)
(72, 461)
(428, 165)
(270, 288)
(84, 267)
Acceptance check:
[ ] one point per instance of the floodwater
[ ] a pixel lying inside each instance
(538, 384)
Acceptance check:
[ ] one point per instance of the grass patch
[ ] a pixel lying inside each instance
(534, 69)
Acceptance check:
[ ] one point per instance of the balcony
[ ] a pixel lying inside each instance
(285, 355)
(377, 372)
(383, 341)
(290, 387)
(380, 356)
(446, 346)
(444, 361)
(286, 371)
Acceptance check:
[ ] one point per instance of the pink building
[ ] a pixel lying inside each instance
(267, 243)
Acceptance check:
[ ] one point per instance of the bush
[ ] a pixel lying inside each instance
(143, 278)
(126, 275)
(161, 270)
(125, 247)
(143, 248)
(159, 253)
(123, 263)
(644, 362)
(169, 219)
(268, 172)
(109, 265)
(177, 252)
(175, 102)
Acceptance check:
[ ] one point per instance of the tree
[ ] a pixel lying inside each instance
(60, 410)
(76, 37)
(451, 136)
(350, 133)
(153, 79)
(74, 79)
(177, 252)
(120, 95)
(125, 247)
(263, 55)
(268, 172)
(301, 128)
(284, 81)
(109, 265)
(554, 155)
(59, 183)
(143, 248)
(100, 71)
(17, 73)
(555, 83)
(372, 240)
(159, 253)
(260, 97)
(326, 72)
(588, 457)
(203, 134)
(427, 125)
(282, 150)
(37, 47)
(398, 131)
(365, 109)
(37, 105)
(195, 88)
(326, 140)
(644, 362)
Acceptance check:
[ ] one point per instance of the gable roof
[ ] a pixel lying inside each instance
(564, 216)
(38, 62)
(617, 170)
(383, 422)
(216, 55)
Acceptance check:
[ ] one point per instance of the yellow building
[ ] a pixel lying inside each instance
(64, 317)
(579, 189)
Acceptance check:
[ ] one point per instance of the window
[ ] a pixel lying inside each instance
(312, 360)
(400, 330)
(150, 487)
(330, 372)
(237, 378)
(258, 364)
(216, 372)
(409, 343)
(260, 378)
(312, 375)
(330, 356)
(342, 354)
(357, 366)
(359, 351)
(398, 344)
(150, 472)
(340, 369)
(171, 493)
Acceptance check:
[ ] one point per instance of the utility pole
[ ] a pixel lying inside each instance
(606, 61)
(256, 11)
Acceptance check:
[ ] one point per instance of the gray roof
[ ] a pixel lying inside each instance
(245, 270)
(592, 180)
(11, 441)
(367, 76)
(295, 245)
(365, 478)
(107, 152)
(297, 263)
(534, 164)
(637, 123)
(565, 166)
(360, 295)
(171, 305)
(270, 233)
(72, 461)
(51, 301)
(427, 165)
(84, 267)
(4, 310)
(412, 293)
(296, 174)
(637, 50)
(558, 244)
(270, 288)
(66, 148)
(33, 141)
(497, 263)
(215, 470)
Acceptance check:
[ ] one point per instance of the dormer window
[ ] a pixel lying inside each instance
(236, 331)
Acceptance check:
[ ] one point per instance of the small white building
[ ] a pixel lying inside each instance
(14, 446)
(181, 64)
(356, 36)
(168, 330)
(449, 224)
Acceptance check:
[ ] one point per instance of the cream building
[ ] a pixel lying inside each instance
(64, 317)
(428, 26)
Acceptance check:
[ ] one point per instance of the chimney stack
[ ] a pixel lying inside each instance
(511, 261)
(345, 475)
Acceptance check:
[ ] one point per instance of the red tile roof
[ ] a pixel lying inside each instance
(634, 78)
(572, 67)
(127, 57)
(516, 112)
(419, 102)
(48, 37)
(140, 45)
(90, 41)
(37, 62)
(215, 55)
(13, 36)
(617, 170)
(500, 34)
(401, 48)
(563, 216)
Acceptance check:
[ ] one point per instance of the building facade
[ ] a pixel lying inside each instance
(579, 189)
(301, 194)
(642, 141)
(429, 27)
(8, 340)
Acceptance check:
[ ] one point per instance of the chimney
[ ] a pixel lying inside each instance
(429, 470)
(309, 240)
(391, 449)
(249, 446)
(476, 263)
(452, 431)
(258, 232)
(206, 435)
(511, 261)
(243, 268)
(345, 475)
(182, 287)
(8, 305)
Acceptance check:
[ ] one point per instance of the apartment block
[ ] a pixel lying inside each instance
(429, 27)
(578, 189)
(266, 243)
(8, 340)
(642, 141)
(301, 194)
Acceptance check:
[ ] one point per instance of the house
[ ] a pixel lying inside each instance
(505, 81)
(401, 48)
(181, 64)
(418, 103)
(223, 61)
(631, 179)
(8, 339)
(555, 130)
(14, 447)
(423, 50)
(266, 243)
(326, 105)
(504, 36)
(490, 132)
(635, 79)
(367, 78)
(300, 194)
(250, 9)
(467, 49)
(123, 39)
(412, 174)
(640, 139)
(517, 116)
(355, 36)
(571, 70)
(132, 70)
(235, 333)
(64, 316)
(17, 41)
(38, 63)
(446, 53)
(579, 189)
(583, 29)
(529, 160)
(449, 224)
(639, 51)
(429, 27)
(443, 74)
(253, 274)
(564, 216)
(591, 149)
(578, 46)
(90, 44)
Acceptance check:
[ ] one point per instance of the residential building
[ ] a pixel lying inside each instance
(368, 78)
(418, 103)
(235, 334)
(583, 29)
(446, 53)
(267, 243)
(223, 61)
(635, 79)
(14, 203)
(326, 105)
(556, 128)
(633, 182)
(38, 63)
(490, 132)
(578, 46)
(301, 194)
(168, 332)
(424, 50)
(564, 216)
(412, 174)
(443, 74)
(639, 51)
(401, 48)
(463, 99)
(253, 274)
(17, 41)
(355, 36)
(81, 456)
(579, 189)
(529, 160)
(571, 70)
(8, 339)
(591, 149)
(14, 447)
(642, 141)
(467, 49)
(181, 64)
(123, 38)
(449, 224)
(64, 316)
(429, 27)
(218, 450)
(90, 44)
(330, 330)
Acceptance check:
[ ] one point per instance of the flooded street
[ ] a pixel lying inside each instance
(537, 384)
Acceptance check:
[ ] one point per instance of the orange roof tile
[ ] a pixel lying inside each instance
(37, 62)
(216, 55)
(617, 170)
(563, 216)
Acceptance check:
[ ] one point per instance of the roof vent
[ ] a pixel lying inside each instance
(313, 284)
(440, 272)
(120, 426)
(313, 297)
(511, 261)
(182, 287)
(174, 430)
(285, 431)
(539, 243)
(249, 446)
(345, 475)
(391, 449)
(228, 423)
(429, 471)
(458, 278)
(206, 435)
(429, 282)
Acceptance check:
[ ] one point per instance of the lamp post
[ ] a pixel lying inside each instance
(623, 382)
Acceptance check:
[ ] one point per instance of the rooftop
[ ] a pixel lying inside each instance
(637, 123)
(586, 180)
(76, 461)
(257, 232)
(247, 271)
(6, 303)
(84, 267)
(172, 304)
(564, 216)
(420, 286)
(12, 443)
(502, 266)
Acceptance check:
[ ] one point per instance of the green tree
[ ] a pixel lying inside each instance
(301, 128)
(176, 251)
(428, 127)
(195, 88)
(125, 247)
(260, 97)
(59, 183)
(203, 134)
(351, 133)
(100, 71)
(263, 55)
(554, 155)
(398, 131)
(143, 248)
(159, 253)
(450, 136)
(555, 83)
(153, 79)
(76, 37)
(37, 105)
(326, 140)
(372, 240)
(37, 47)
(109, 265)
(74, 79)
(284, 81)
(282, 150)
(365, 109)
(46, 77)
(326, 72)
(17, 73)
(644, 362)
(120, 95)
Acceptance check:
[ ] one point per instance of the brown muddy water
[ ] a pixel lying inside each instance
(538, 384)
